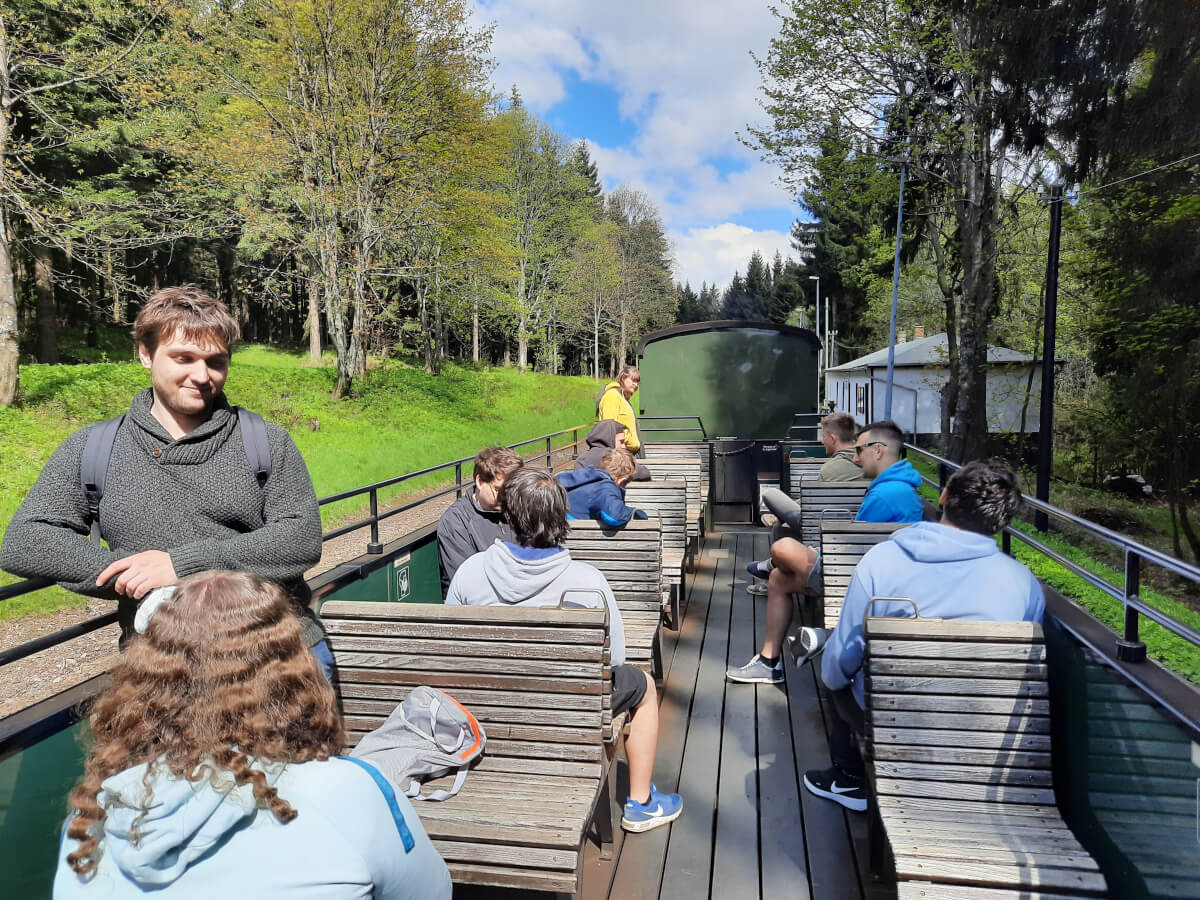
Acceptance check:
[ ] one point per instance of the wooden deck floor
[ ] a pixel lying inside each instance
(737, 754)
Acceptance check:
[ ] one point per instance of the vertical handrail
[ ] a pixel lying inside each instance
(458, 480)
(1130, 647)
(549, 457)
(374, 545)
(575, 444)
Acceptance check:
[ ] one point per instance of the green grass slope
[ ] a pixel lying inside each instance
(400, 420)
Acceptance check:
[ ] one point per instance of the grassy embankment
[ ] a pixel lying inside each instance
(401, 420)
(1172, 651)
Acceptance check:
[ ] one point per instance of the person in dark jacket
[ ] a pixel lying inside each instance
(598, 492)
(474, 521)
(607, 434)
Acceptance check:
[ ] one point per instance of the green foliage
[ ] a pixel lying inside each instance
(403, 420)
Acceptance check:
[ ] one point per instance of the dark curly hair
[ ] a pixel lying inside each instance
(982, 496)
(535, 506)
(222, 678)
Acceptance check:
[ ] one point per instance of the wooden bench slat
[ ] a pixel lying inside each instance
(957, 650)
(998, 875)
(917, 890)
(955, 629)
(956, 668)
(955, 704)
(547, 880)
(977, 774)
(938, 738)
(998, 793)
(992, 687)
(959, 721)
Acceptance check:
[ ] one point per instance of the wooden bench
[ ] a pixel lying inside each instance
(667, 502)
(630, 558)
(700, 448)
(843, 545)
(539, 682)
(822, 500)
(958, 730)
(802, 469)
(686, 469)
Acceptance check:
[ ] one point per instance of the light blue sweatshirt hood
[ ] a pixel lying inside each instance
(184, 820)
(930, 543)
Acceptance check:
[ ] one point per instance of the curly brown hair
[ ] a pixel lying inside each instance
(221, 679)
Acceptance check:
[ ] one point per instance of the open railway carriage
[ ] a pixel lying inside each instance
(1121, 772)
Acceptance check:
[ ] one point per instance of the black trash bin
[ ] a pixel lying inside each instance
(733, 490)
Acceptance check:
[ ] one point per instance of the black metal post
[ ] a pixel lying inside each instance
(1049, 335)
(458, 479)
(374, 546)
(1130, 647)
(575, 444)
(549, 459)
(1006, 543)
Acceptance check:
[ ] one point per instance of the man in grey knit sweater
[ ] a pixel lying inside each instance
(180, 496)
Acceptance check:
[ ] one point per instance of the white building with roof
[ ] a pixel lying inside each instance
(921, 373)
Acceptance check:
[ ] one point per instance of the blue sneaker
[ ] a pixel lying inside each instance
(660, 809)
(760, 569)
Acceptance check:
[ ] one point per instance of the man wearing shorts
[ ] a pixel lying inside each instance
(534, 569)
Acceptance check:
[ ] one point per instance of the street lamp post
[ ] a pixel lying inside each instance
(820, 350)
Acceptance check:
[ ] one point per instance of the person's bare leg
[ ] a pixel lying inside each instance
(780, 587)
(793, 558)
(642, 743)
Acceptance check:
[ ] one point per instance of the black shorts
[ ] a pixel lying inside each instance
(628, 688)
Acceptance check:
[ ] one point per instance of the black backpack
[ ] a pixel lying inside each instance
(97, 452)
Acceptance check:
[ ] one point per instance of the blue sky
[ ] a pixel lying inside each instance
(659, 89)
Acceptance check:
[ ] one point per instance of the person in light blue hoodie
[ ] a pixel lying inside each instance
(891, 497)
(952, 569)
(212, 771)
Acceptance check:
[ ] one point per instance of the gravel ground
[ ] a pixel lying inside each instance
(51, 671)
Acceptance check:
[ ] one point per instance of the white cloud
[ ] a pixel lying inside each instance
(684, 75)
(714, 254)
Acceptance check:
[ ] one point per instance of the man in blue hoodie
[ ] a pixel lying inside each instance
(953, 569)
(892, 497)
(598, 492)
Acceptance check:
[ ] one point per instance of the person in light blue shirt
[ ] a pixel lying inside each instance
(212, 771)
(892, 497)
(952, 569)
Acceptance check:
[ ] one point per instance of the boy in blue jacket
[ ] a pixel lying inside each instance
(598, 492)
(892, 497)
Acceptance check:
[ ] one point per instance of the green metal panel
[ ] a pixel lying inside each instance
(34, 784)
(743, 381)
(414, 577)
(1127, 777)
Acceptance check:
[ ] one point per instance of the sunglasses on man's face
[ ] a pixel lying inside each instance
(859, 448)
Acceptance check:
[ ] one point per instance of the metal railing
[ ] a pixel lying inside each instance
(546, 450)
(699, 426)
(1130, 647)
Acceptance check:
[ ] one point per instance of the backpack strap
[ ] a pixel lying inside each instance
(93, 471)
(254, 438)
(389, 794)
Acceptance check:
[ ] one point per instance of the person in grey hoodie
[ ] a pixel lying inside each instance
(474, 521)
(952, 569)
(212, 770)
(607, 434)
(535, 570)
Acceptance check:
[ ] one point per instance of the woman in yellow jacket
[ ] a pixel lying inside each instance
(613, 403)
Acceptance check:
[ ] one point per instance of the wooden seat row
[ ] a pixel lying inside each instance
(800, 471)
(688, 470)
(821, 501)
(843, 545)
(959, 741)
(700, 449)
(539, 682)
(630, 558)
(667, 502)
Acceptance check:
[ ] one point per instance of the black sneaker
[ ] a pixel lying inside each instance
(834, 784)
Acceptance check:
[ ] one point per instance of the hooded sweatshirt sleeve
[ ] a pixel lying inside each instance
(611, 508)
(843, 653)
(455, 544)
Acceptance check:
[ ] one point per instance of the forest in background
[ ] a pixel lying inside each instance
(339, 173)
(986, 105)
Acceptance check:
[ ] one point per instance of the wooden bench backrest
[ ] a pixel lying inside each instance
(538, 680)
(958, 716)
(685, 468)
(665, 501)
(843, 545)
(683, 448)
(630, 558)
(824, 501)
(802, 469)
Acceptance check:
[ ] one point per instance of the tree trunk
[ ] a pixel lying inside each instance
(522, 348)
(475, 333)
(10, 354)
(314, 319)
(47, 309)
